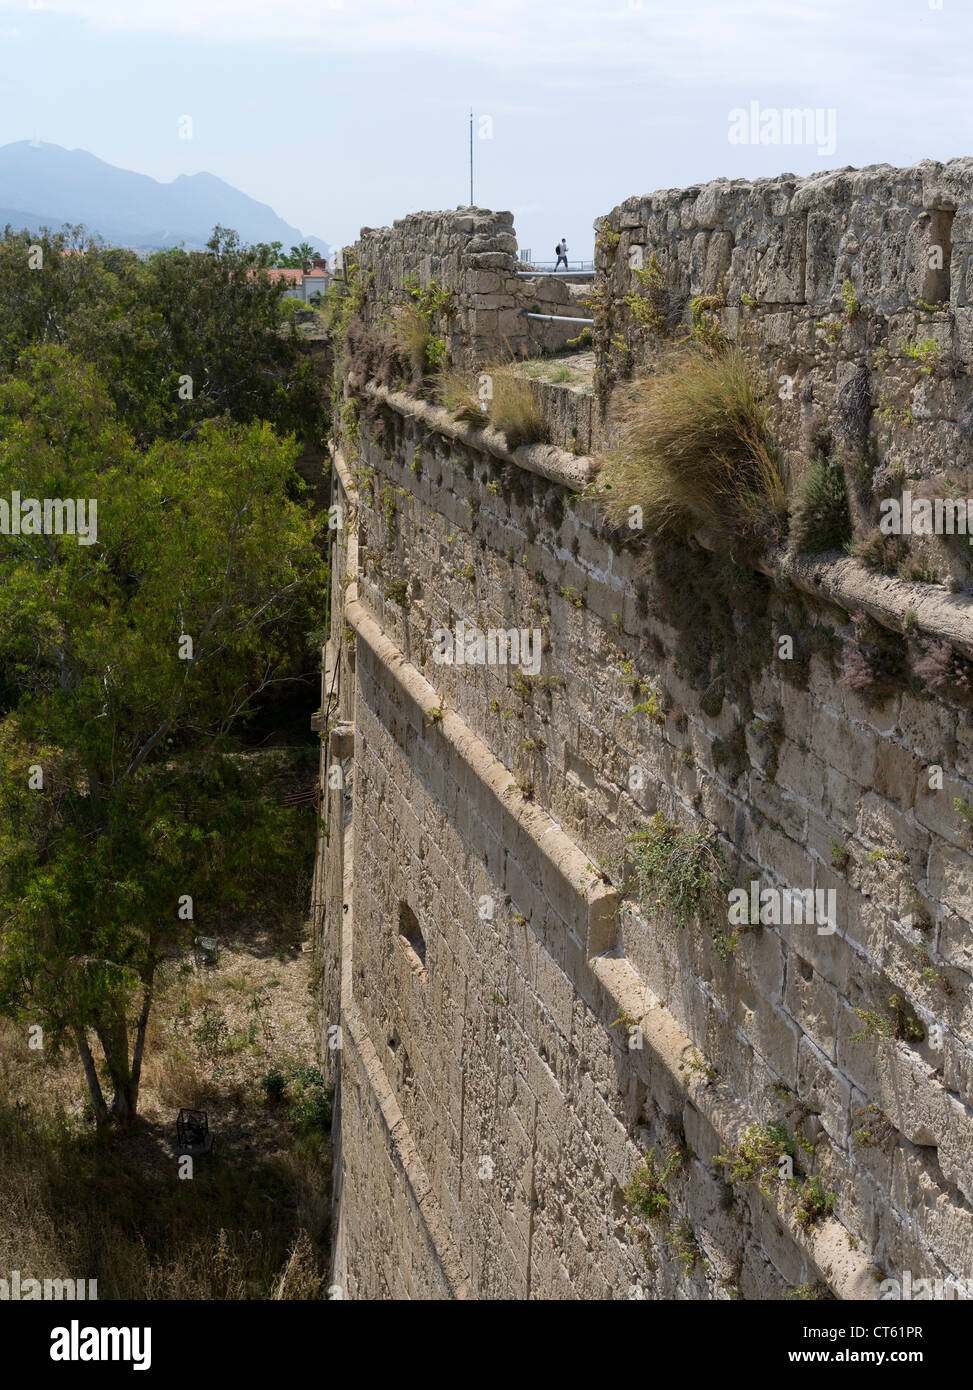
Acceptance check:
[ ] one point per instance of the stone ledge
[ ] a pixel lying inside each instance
(558, 853)
(844, 1270)
(344, 473)
(946, 617)
(842, 581)
(572, 471)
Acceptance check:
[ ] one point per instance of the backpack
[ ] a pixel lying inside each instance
(557, 249)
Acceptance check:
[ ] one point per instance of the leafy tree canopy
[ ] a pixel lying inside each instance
(129, 667)
(179, 338)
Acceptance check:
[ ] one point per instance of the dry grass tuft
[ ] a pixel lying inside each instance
(424, 353)
(413, 336)
(695, 452)
(511, 405)
(457, 392)
(515, 410)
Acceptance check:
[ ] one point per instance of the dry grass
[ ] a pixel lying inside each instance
(512, 407)
(515, 410)
(412, 335)
(694, 452)
(253, 1220)
(457, 392)
(419, 347)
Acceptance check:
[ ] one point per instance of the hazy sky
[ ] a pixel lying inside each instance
(343, 113)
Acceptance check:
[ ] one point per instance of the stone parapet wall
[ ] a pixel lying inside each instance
(779, 1014)
(852, 291)
(494, 1099)
(473, 253)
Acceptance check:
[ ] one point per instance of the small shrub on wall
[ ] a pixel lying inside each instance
(681, 873)
(821, 518)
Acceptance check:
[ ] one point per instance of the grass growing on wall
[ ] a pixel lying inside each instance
(457, 392)
(418, 344)
(821, 519)
(511, 405)
(514, 409)
(420, 324)
(695, 451)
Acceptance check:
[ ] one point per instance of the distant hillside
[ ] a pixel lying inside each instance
(126, 208)
(19, 219)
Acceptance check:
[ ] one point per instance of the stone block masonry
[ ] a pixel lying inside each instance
(851, 290)
(516, 1029)
(472, 253)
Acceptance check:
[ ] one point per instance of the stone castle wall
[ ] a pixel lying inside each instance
(516, 1031)
(473, 253)
(853, 292)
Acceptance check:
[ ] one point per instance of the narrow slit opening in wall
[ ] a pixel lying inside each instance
(411, 936)
(938, 247)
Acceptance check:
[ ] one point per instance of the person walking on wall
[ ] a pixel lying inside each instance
(562, 254)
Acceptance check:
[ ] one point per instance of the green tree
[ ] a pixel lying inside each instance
(180, 338)
(297, 257)
(125, 788)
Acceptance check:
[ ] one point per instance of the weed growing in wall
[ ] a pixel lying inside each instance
(926, 352)
(652, 304)
(371, 354)
(810, 1293)
(422, 350)
(943, 670)
(345, 299)
(850, 300)
(878, 1130)
(877, 551)
(814, 1203)
(758, 1155)
(681, 873)
(708, 332)
(874, 662)
(420, 325)
(645, 1193)
(901, 1023)
(684, 1245)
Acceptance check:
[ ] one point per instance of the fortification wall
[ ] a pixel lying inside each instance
(851, 291)
(472, 253)
(516, 1031)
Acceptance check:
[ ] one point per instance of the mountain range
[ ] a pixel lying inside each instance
(47, 185)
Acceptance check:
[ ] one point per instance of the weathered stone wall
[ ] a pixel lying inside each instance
(473, 253)
(492, 1105)
(853, 292)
